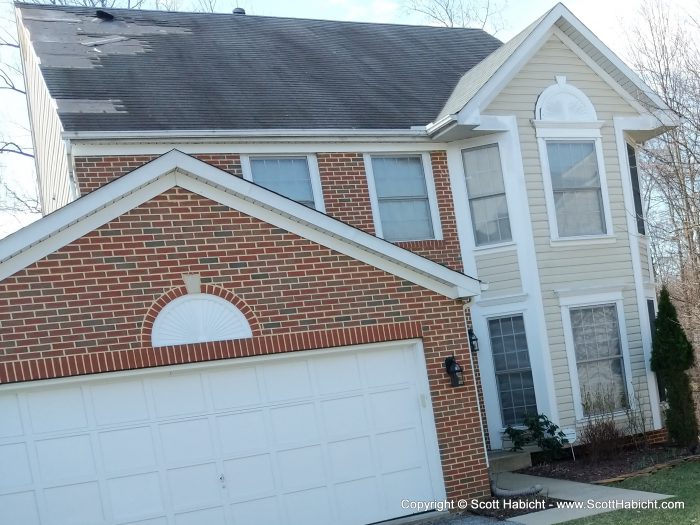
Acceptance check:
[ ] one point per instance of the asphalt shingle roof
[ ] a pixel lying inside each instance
(154, 70)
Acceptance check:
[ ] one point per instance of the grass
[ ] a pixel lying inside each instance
(682, 481)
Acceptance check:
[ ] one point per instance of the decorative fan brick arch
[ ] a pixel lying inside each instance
(206, 289)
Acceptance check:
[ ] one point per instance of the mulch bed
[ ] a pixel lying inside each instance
(621, 465)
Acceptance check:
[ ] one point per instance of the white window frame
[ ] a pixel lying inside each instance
(311, 162)
(569, 300)
(429, 184)
(548, 133)
(495, 245)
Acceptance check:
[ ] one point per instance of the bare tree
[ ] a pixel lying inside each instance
(459, 13)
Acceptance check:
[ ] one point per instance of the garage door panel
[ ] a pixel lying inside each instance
(194, 487)
(285, 381)
(359, 501)
(78, 504)
(236, 388)
(66, 459)
(154, 521)
(301, 468)
(135, 497)
(260, 512)
(249, 478)
(19, 507)
(399, 450)
(394, 409)
(178, 395)
(406, 484)
(351, 459)
(186, 442)
(286, 429)
(11, 419)
(345, 417)
(119, 402)
(337, 373)
(213, 516)
(127, 450)
(243, 433)
(385, 367)
(57, 410)
(309, 507)
(15, 471)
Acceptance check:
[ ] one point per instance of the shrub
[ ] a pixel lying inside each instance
(600, 434)
(671, 357)
(539, 430)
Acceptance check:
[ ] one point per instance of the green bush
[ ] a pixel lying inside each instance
(671, 357)
(539, 430)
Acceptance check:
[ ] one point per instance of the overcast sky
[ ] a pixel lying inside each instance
(606, 18)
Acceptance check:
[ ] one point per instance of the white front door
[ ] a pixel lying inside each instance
(315, 437)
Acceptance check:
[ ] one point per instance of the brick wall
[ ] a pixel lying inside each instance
(344, 185)
(87, 308)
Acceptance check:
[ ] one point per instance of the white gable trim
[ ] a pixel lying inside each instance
(470, 114)
(80, 217)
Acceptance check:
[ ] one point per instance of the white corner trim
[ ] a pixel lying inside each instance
(429, 185)
(177, 169)
(311, 164)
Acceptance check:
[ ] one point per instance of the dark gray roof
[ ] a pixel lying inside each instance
(154, 70)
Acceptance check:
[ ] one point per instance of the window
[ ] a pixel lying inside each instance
(487, 195)
(599, 362)
(288, 176)
(636, 192)
(575, 177)
(402, 198)
(511, 359)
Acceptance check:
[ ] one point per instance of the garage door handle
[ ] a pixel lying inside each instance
(222, 479)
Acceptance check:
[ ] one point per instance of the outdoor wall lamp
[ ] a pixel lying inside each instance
(473, 340)
(454, 370)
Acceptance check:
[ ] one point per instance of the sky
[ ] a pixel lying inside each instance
(608, 19)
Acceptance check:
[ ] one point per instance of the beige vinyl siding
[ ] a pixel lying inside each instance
(49, 150)
(500, 269)
(584, 266)
(647, 275)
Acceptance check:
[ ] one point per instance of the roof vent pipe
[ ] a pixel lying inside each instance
(239, 11)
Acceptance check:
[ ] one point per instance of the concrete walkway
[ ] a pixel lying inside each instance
(570, 491)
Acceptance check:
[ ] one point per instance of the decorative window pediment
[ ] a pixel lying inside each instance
(562, 102)
(198, 318)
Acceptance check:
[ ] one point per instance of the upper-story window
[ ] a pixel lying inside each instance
(569, 139)
(487, 195)
(294, 176)
(636, 189)
(573, 168)
(403, 197)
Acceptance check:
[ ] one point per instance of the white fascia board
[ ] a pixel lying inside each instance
(243, 133)
(50, 233)
(531, 44)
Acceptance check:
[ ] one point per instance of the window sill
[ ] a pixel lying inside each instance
(570, 242)
(495, 248)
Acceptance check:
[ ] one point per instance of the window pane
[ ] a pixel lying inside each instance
(573, 165)
(579, 212)
(402, 195)
(406, 220)
(399, 177)
(599, 362)
(482, 167)
(490, 219)
(511, 359)
(636, 192)
(288, 176)
(487, 198)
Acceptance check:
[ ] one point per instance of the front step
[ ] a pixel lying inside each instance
(507, 461)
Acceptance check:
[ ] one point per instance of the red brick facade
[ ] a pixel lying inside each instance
(344, 185)
(88, 307)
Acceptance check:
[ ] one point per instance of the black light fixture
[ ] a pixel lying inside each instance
(473, 340)
(454, 370)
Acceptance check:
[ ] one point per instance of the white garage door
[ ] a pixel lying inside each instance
(332, 437)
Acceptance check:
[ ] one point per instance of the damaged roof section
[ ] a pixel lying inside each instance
(160, 71)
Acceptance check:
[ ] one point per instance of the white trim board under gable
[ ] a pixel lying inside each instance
(80, 217)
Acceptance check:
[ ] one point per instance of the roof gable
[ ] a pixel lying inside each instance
(78, 218)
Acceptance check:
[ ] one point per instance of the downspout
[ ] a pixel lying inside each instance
(495, 490)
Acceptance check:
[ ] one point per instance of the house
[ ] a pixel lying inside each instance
(266, 241)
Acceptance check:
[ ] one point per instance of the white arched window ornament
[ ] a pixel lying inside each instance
(562, 102)
(198, 318)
